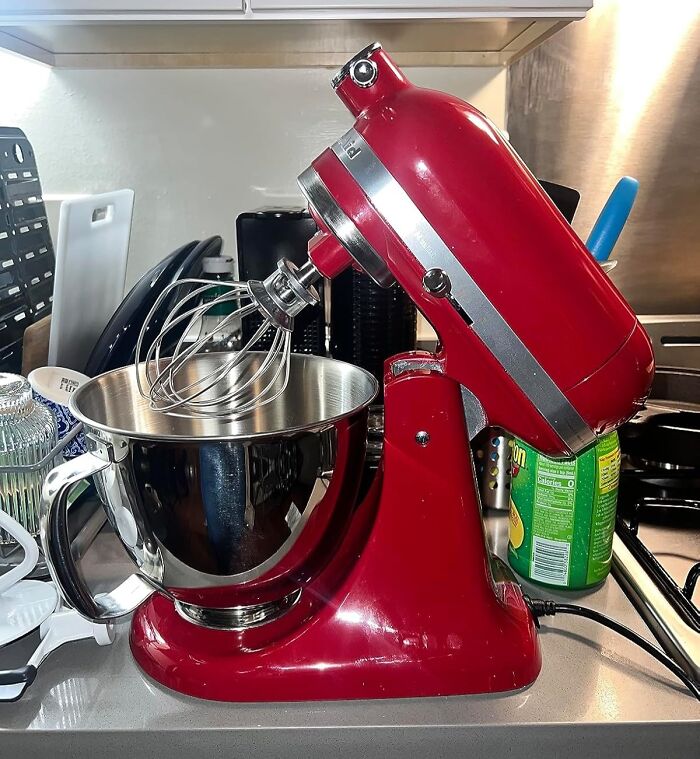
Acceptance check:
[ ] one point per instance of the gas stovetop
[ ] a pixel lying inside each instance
(656, 553)
(670, 502)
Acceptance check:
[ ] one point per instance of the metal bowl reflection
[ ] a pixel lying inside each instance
(222, 512)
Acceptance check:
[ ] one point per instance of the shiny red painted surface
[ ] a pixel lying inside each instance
(624, 375)
(406, 607)
(325, 248)
(399, 600)
(499, 223)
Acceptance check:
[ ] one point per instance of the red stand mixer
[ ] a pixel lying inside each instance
(397, 595)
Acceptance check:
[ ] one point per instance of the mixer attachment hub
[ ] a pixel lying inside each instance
(286, 292)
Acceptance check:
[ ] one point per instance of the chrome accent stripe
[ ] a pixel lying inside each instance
(343, 227)
(404, 365)
(474, 413)
(237, 617)
(399, 211)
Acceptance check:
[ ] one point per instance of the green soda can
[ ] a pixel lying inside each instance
(562, 514)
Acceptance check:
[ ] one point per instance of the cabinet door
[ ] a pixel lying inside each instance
(485, 7)
(100, 7)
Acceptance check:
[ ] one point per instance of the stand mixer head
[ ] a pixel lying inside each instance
(425, 190)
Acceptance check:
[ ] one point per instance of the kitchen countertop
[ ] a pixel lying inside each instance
(596, 692)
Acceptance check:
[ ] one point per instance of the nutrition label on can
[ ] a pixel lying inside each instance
(604, 508)
(609, 471)
(555, 498)
(563, 514)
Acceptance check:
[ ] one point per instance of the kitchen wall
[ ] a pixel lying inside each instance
(615, 94)
(197, 146)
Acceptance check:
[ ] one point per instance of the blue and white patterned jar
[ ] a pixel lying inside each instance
(53, 386)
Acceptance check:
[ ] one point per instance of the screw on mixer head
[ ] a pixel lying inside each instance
(437, 283)
(360, 68)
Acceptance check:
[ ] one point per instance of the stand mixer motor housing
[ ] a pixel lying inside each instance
(424, 189)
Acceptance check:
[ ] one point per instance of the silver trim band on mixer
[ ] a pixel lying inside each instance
(421, 239)
(237, 617)
(343, 227)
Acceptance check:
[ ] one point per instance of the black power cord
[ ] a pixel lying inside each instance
(542, 607)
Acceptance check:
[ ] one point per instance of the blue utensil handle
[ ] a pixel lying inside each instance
(612, 219)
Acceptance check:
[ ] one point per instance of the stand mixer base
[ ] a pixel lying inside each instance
(419, 612)
(327, 662)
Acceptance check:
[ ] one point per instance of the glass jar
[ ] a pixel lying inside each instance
(27, 435)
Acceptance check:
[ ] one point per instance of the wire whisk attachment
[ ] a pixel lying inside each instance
(235, 386)
(173, 383)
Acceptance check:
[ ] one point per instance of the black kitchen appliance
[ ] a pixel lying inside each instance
(116, 346)
(369, 323)
(26, 254)
(655, 550)
(263, 238)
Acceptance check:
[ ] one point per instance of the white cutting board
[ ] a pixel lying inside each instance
(91, 252)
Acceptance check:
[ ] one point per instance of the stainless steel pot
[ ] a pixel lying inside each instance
(228, 517)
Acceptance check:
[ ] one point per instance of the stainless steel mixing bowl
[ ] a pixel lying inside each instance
(223, 514)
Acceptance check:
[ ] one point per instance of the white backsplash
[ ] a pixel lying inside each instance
(197, 146)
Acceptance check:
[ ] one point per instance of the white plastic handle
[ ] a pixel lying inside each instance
(29, 546)
(61, 627)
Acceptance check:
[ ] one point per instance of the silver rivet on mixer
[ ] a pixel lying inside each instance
(437, 283)
(422, 438)
(364, 72)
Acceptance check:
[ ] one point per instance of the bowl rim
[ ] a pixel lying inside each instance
(92, 425)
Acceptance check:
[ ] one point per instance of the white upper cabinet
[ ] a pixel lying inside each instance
(421, 8)
(101, 8)
(292, 9)
(267, 33)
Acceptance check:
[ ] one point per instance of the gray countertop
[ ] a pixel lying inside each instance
(596, 692)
